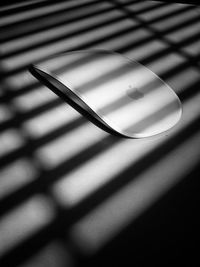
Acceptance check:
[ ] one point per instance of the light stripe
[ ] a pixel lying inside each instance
(34, 99)
(175, 20)
(15, 176)
(50, 120)
(140, 6)
(24, 221)
(10, 140)
(69, 145)
(193, 48)
(185, 33)
(162, 11)
(18, 5)
(42, 11)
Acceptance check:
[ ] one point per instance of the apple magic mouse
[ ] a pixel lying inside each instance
(121, 93)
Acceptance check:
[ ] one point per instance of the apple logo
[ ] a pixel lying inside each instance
(134, 93)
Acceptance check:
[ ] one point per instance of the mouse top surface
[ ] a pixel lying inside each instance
(124, 94)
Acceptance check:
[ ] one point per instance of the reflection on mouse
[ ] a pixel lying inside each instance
(123, 94)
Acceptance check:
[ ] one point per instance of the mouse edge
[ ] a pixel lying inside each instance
(75, 97)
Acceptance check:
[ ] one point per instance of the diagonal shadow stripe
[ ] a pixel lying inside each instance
(189, 2)
(20, 118)
(19, 7)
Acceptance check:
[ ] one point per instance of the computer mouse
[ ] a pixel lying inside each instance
(121, 93)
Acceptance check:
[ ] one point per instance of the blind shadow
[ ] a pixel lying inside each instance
(66, 217)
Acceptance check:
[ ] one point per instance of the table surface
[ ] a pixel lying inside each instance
(70, 193)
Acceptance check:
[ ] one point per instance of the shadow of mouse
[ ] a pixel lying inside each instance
(53, 85)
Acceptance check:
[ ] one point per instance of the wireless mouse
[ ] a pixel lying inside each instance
(121, 93)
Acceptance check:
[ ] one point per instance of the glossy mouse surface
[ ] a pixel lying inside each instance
(123, 94)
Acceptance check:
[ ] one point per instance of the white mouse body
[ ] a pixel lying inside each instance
(123, 94)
